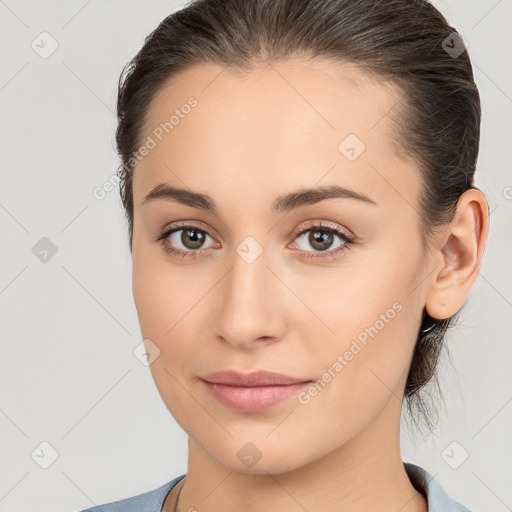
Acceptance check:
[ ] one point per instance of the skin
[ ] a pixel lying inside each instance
(252, 138)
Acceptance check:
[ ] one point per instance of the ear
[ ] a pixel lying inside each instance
(457, 255)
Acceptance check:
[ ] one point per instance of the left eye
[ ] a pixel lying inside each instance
(322, 237)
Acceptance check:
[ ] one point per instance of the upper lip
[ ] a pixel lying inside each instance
(257, 378)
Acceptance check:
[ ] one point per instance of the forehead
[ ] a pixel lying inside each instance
(332, 92)
(293, 118)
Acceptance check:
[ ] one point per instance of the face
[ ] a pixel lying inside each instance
(323, 288)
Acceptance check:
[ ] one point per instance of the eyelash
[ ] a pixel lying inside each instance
(347, 239)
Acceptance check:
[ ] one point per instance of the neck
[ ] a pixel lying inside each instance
(365, 473)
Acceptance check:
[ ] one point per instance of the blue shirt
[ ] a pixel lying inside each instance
(152, 501)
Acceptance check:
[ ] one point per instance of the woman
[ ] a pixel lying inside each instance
(304, 227)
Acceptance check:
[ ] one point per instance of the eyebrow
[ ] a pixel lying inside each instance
(285, 203)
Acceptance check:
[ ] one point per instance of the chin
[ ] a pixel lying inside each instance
(256, 459)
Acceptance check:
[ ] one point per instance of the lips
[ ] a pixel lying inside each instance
(257, 378)
(252, 392)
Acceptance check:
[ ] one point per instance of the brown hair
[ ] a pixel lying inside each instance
(436, 122)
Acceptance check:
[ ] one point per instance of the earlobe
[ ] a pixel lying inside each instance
(459, 256)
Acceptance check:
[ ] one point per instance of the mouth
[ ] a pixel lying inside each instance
(253, 392)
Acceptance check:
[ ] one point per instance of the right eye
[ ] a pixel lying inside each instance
(184, 240)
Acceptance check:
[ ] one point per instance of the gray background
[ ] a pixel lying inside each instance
(69, 325)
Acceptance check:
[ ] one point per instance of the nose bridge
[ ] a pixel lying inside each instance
(247, 305)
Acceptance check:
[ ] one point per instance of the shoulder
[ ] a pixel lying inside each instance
(438, 499)
(150, 501)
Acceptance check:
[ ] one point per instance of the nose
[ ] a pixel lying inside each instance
(251, 302)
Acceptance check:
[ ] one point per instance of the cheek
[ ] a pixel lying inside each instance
(373, 311)
(167, 299)
(162, 304)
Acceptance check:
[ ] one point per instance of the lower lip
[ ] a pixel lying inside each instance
(253, 399)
